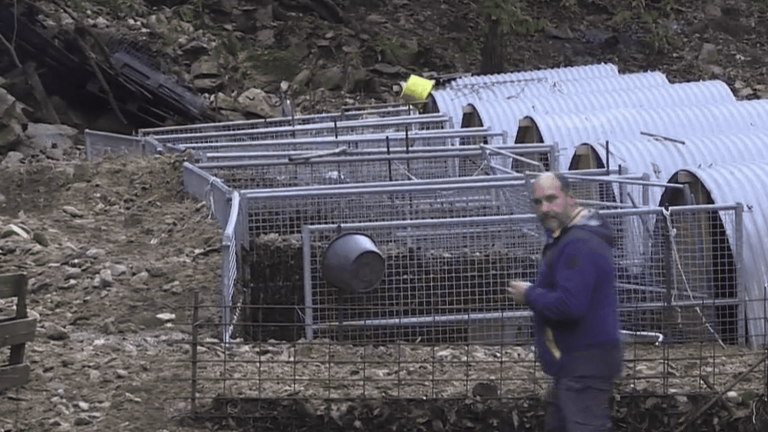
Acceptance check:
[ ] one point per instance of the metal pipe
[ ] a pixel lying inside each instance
(627, 181)
(432, 319)
(328, 157)
(401, 187)
(327, 140)
(507, 219)
(502, 169)
(659, 337)
(363, 152)
(383, 122)
(326, 117)
(513, 156)
(307, 264)
(478, 181)
(604, 203)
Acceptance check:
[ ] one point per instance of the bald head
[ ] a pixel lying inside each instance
(564, 183)
(552, 201)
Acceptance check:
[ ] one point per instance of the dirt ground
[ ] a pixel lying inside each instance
(111, 247)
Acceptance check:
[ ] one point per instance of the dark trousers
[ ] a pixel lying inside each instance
(579, 404)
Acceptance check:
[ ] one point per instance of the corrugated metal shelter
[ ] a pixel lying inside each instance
(571, 130)
(745, 183)
(451, 101)
(570, 72)
(504, 115)
(661, 158)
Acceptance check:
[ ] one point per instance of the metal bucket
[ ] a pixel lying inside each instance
(352, 263)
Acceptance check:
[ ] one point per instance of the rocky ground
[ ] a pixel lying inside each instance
(115, 249)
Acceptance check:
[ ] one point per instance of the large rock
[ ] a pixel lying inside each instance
(256, 101)
(206, 74)
(708, 54)
(205, 67)
(221, 101)
(11, 134)
(157, 23)
(356, 81)
(265, 38)
(50, 140)
(299, 82)
(329, 79)
(12, 121)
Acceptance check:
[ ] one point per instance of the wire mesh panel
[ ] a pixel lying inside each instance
(285, 211)
(470, 141)
(436, 138)
(101, 145)
(444, 282)
(443, 272)
(335, 129)
(355, 167)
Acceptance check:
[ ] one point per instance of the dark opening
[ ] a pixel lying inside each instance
(723, 265)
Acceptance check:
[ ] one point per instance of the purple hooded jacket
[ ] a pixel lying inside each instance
(575, 297)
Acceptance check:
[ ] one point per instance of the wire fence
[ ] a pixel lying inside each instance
(428, 122)
(438, 325)
(278, 215)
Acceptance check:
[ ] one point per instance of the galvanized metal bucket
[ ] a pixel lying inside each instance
(352, 263)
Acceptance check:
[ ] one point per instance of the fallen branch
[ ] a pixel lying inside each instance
(13, 52)
(100, 76)
(687, 420)
(720, 399)
(39, 91)
(90, 55)
(34, 81)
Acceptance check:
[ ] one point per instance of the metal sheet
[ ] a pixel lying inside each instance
(503, 115)
(746, 183)
(571, 72)
(661, 158)
(451, 101)
(571, 130)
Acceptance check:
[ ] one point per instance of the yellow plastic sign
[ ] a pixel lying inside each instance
(416, 89)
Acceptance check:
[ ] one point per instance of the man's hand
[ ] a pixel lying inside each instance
(516, 290)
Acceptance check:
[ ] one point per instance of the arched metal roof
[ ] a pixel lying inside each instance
(661, 158)
(570, 72)
(451, 101)
(503, 115)
(571, 130)
(745, 183)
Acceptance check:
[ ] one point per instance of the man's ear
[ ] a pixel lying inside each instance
(570, 199)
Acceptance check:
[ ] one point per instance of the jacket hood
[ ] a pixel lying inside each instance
(593, 222)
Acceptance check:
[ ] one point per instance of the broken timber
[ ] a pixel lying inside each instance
(15, 331)
(117, 78)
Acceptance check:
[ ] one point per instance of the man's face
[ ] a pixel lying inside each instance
(553, 208)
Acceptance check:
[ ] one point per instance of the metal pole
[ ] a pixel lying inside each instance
(195, 330)
(738, 261)
(669, 282)
(306, 240)
(389, 160)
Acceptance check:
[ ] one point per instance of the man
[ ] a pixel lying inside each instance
(574, 305)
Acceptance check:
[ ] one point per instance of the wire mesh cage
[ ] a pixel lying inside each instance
(429, 122)
(356, 167)
(393, 140)
(439, 325)
(444, 272)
